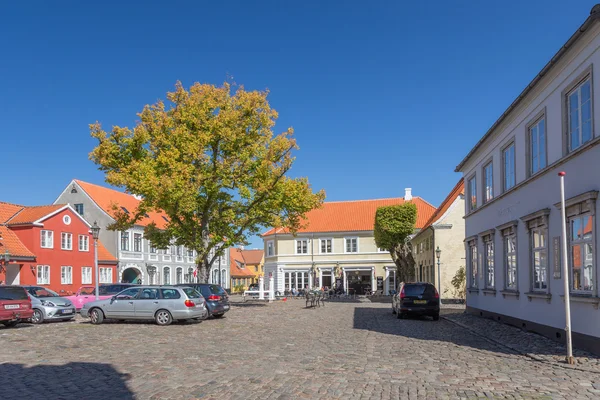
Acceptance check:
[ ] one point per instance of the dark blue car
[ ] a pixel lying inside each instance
(217, 300)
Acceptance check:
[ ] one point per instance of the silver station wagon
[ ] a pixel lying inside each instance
(163, 304)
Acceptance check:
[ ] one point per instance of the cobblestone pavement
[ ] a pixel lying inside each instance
(276, 351)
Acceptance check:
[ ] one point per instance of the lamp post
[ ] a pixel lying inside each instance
(5, 259)
(565, 270)
(95, 233)
(438, 253)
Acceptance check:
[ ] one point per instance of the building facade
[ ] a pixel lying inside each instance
(513, 219)
(50, 246)
(139, 260)
(444, 230)
(337, 248)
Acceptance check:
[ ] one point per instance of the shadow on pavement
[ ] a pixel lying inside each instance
(249, 304)
(78, 380)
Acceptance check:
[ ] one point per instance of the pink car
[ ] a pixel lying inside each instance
(85, 294)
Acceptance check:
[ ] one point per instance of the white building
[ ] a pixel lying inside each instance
(513, 220)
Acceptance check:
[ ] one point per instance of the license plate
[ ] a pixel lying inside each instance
(11, 306)
(67, 311)
(420, 301)
(226, 307)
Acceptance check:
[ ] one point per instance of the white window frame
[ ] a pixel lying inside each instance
(128, 241)
(45, 280)
(510, 172)
(105, 275)
(543, 254)
(321, 240)
(85, 240)
(488, 187)
(66, 241)
(533, 129)
(577, 88)
(270, 248)
(472, 193)
(141, 248)
(66, 275)
(583, 243)
(86, 275)
(346, 239)
(489, 265)
(46, 239)
(165, 269)
(296, 246)
(473, 259)
(178, 275)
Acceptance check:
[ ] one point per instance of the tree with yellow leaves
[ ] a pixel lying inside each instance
(210, 161)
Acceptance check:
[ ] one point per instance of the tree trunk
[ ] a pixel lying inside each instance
(405, 263)
(203, 270)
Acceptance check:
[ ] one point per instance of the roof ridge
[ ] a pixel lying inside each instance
(424, 201)
(356, 201)
(46, 205)
(452, 195)
(12, 204)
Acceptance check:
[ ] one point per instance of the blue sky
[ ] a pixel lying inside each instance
(382, 95)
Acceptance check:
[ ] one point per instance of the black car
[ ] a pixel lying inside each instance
(417, 299)
(217, 300)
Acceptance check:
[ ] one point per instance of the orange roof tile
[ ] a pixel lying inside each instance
(13, 244)
(104, 254)
(7, 210)
(358, 215)
(106, 198)
(252, 257)
(235, 257)
(459, 189)
(29, 215)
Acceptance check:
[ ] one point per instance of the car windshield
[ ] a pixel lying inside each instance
(86, 290)
(13, 293)
(42, 292)
(415, 290)
(192, 293)
(216, 289)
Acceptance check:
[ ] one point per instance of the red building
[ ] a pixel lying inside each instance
(50, 246)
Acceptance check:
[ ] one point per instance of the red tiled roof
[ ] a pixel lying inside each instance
(13, 244)
(106, 198)
(253, 257)
(235, 256)
(104, 254)
(29, 215)
(459, 189)
(359, 215)
(7, 210)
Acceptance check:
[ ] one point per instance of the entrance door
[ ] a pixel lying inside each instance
(131, 275)
(13, 274)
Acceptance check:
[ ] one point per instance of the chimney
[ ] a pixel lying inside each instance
(407, 194)
(242, 248)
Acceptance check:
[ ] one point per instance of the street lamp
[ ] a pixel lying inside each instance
(5, 259)
(95, 233)
(438, 253)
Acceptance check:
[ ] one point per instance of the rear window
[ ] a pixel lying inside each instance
(170, 294)
(216, 289)
(192, 293)
(13, 293)
(417, 290)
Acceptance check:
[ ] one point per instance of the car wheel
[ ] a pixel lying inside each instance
(163, 318)
(96, 316)
(11, 324)
(37, 317)
(436, 317)
(393, 309)
(218, 315)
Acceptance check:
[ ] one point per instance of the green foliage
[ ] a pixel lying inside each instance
(394, 224)
(459, 283)
(239, 288)
(209, 159)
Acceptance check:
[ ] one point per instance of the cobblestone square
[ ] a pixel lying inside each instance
(355, 350)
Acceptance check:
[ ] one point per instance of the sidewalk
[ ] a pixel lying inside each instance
(529, 344)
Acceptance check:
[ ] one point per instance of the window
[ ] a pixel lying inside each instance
(488, 182)
(166, 276)
(295, 280)
(170, 293)
(380, 250)
(66, 241)
(537, 146)
(351, 245)
(105, 275)
(326, 246)
(509, 239)
(137, 242)
(539, 250)
(47, 241)
(472, 188)
(152, 248)
(488, 245)
(190, 253)
(66, 275)
(581, 252)
(302, 246)
(148, 294)
(508, 159)
(579, 113)
(270, 248)
(179, 275)
(86, 275)
(473, 264)
(179, 251)
(84, 243)
(79, 208)
(43, 274)
(125, 241)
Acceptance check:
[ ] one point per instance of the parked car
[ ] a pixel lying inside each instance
(85, 294)
(163, 304)
(15, 305)
(217, 300)
(416, 299)
(49, 305)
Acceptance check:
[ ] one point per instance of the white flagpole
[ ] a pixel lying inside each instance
(565, 270)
